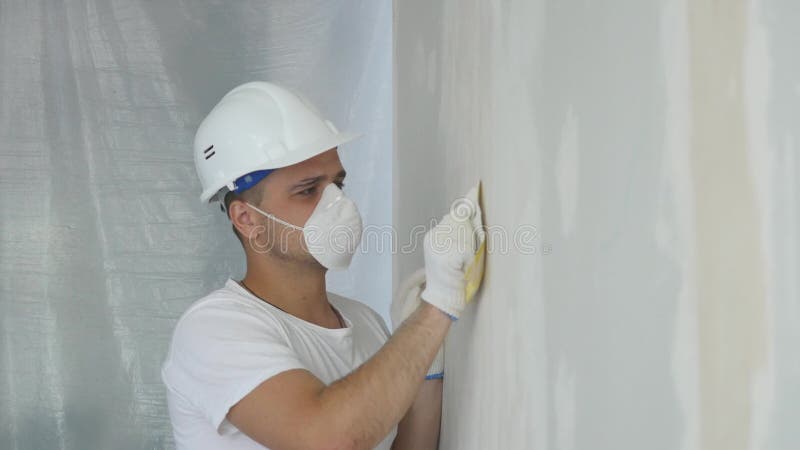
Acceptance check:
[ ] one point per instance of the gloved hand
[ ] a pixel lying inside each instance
(450, 251)
(405, 302)
(450, 247)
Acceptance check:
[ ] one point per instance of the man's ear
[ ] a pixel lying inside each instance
(241, 216)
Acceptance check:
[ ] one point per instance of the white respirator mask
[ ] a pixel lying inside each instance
(333, 231)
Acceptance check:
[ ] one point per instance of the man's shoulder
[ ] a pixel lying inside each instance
(209, 326)
(222, 311)
(223, 298)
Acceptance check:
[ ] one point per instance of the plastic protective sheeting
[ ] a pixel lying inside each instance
(103, 241)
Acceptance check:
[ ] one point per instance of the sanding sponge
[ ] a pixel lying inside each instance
(474, 272)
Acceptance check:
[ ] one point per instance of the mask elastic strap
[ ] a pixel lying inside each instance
(275, 218)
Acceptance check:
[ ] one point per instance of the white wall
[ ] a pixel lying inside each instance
(653, 146)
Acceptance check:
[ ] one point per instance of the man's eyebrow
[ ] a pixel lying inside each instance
(306, 181)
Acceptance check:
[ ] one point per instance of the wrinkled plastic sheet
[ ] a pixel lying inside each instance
(103, 241)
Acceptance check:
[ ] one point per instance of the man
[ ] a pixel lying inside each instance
(273, 360)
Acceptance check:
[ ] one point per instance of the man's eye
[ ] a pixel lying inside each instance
(308, 191)
(340, 184)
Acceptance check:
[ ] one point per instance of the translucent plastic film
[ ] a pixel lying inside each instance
(103, 241)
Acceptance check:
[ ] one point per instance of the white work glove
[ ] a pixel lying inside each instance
(449, 248)
(405, 302)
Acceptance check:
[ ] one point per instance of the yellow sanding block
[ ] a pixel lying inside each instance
(474, 272)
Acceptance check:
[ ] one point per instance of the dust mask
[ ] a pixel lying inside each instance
(333, 231)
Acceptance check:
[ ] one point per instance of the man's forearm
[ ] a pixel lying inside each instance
(419, 428)
(368, 402)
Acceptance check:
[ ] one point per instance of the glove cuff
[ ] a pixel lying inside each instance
(437, 368)
(450, 303)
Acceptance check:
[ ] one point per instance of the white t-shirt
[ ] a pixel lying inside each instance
(229, 342)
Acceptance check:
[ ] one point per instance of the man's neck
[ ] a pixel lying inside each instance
(295, 288)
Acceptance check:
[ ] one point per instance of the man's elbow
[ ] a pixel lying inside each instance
(328, 433)
(339, 438)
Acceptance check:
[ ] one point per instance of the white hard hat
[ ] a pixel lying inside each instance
(258, 126)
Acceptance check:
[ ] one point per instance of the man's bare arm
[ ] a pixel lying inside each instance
(295, 410)
(419, 429)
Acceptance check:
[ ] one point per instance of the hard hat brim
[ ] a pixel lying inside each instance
(297, 155)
